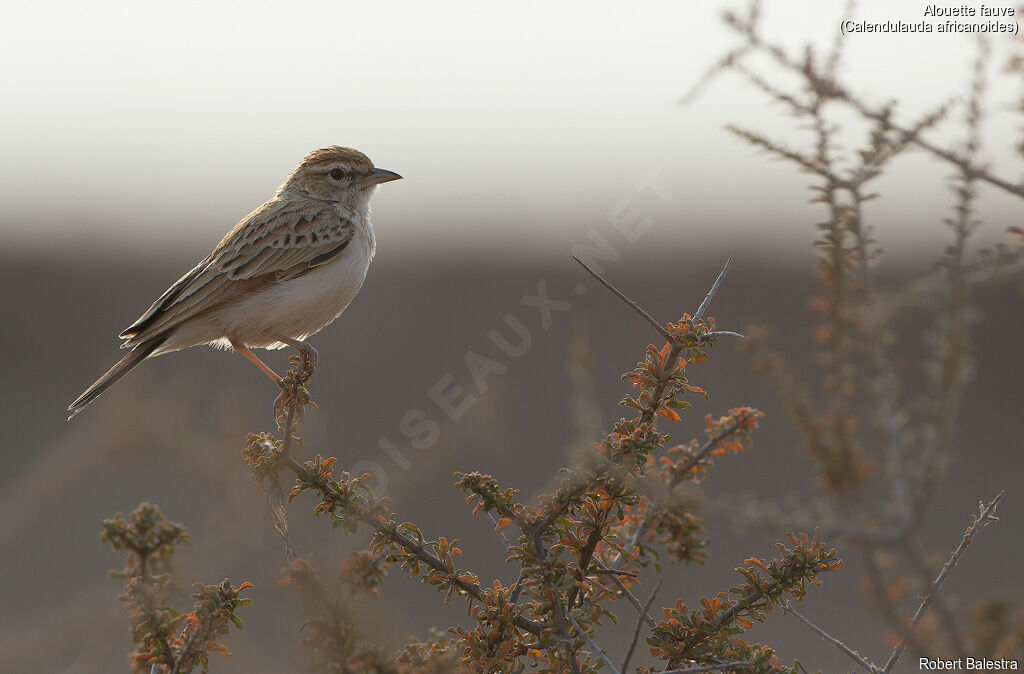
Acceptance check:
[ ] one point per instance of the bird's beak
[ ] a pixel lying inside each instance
(378, 176)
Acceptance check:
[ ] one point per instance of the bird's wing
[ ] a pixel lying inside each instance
(280, 240)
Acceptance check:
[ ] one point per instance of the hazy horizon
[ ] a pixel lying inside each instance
(138, 128)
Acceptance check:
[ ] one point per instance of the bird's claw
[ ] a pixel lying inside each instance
(305, 361)
(310, 359)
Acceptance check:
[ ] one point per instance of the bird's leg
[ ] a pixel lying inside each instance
(254, 359)
(265, 369)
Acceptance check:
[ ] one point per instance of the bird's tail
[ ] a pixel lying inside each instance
(120, 369)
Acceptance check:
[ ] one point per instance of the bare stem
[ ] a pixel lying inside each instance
(986, 515)
(618, 293)
(718, 667)
(711, 293)
(593, 644)
(862, 661)
(913, 550)
(639, 625)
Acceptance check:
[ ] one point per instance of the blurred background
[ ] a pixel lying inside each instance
(135, 135)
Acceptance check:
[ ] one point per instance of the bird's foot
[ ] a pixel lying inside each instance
(309, 358)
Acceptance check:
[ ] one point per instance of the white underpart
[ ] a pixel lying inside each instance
(296, 308)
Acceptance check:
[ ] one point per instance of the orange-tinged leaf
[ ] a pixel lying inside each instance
(668, 413)
(663, 354)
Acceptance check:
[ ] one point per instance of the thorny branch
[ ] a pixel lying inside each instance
(829, 88)
(641, 619)
(986, 515)
(648, 414)
(547, 578)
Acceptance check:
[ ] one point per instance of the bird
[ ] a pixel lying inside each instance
(282, 274)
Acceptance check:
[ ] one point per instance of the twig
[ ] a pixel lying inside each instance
(613, 572)
(184, 652)
(558, 615)
(941, 153)
(587, 553)
(721, 333)
(636, 307)
(517, 589)
(508, 544)
(863, 662)
(711, 293)
(744, 603)
(724, 63)
(472, 589)
(289, 424)
(651, 622)
(876, 578)
(593, 644)
(840, 93)
(986, 514)
(709, 445)
(639, 624)
(648, 414)
(913, 550)
(720, 667)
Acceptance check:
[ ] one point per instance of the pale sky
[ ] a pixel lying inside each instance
(155, 126)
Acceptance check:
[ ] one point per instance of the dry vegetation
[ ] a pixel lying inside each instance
(880, 440)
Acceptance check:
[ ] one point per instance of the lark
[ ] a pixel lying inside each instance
(283, 273)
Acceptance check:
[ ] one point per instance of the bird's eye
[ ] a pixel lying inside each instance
(337, 173)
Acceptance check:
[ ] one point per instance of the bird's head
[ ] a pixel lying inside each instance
(336, 174)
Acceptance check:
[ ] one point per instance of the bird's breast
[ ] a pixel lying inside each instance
(319, 296)
(302, 306)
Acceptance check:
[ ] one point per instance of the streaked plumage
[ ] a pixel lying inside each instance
(281, 274)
